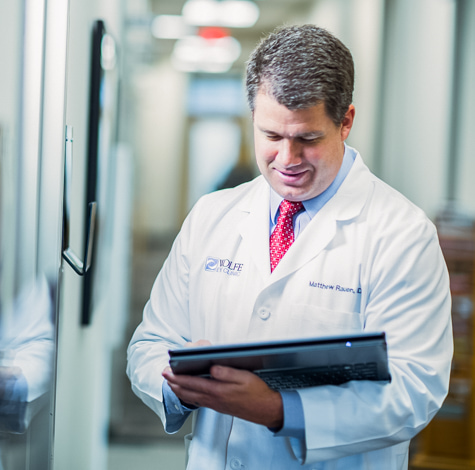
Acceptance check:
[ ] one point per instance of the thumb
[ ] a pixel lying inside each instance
(229, 374)
(222, 373)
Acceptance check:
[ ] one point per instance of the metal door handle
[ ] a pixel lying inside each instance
(80, 266)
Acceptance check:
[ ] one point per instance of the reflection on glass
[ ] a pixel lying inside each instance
(26, 372)
(27, 313)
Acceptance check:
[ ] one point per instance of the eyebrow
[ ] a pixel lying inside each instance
(304, 135)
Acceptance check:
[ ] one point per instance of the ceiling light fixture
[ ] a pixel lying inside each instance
(170, 27)
(197, 54)
(228, 13)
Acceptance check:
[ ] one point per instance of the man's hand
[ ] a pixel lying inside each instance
(231, 391)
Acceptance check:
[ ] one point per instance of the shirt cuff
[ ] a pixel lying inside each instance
(176, 412)
(294, 421)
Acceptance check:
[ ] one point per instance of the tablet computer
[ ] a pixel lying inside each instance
(295, 363)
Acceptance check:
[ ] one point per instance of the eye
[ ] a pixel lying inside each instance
(273, 137)
(309, 140)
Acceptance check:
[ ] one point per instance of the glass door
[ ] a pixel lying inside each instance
(28, 285)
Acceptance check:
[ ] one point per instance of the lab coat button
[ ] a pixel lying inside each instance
(263, 313)
(235, 464)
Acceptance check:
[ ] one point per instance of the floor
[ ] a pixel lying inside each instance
(162, 455)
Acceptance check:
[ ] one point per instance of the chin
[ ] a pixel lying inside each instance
(292, 195)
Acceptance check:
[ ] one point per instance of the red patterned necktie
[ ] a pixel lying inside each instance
(283, 235)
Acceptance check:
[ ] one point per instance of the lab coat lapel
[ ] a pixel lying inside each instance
(254, 229)
(347, 203)
(316, 236)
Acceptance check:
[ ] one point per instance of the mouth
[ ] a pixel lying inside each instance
(291, 176)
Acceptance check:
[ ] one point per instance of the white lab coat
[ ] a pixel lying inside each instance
(381, 255)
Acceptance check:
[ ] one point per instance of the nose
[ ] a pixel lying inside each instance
(289, 153)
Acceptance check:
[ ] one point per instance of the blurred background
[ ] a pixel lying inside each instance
(115, 117)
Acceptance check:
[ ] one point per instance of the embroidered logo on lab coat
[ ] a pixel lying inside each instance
(226, 266)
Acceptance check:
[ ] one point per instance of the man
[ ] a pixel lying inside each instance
(351, 230)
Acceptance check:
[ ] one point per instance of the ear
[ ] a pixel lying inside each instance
(347, 122)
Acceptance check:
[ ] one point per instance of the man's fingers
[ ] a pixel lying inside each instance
(188, 382)
(195, 396)
(230, 375)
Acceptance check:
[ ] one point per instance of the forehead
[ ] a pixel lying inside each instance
(271, 115)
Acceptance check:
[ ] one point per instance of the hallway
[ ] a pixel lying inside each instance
(164, 454)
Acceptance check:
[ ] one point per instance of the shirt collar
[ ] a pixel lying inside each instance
(312, 206)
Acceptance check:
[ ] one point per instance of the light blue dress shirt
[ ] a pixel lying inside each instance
(293, 410)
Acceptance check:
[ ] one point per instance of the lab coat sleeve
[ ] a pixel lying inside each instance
(407, 296)
(165, 326)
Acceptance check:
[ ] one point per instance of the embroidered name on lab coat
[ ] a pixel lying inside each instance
(225, 266)
(335, 287)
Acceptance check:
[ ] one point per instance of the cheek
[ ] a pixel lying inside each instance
(265, 151)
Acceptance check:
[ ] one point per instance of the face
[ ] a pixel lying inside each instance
(298, 152)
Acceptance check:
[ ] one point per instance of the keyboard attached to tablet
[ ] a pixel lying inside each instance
(292, 364)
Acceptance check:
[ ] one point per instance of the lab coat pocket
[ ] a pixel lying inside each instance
(311, 320)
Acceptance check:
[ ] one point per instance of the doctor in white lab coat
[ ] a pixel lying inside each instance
(364, 259)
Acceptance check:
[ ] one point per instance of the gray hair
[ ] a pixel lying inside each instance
(300, 67)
